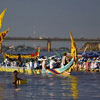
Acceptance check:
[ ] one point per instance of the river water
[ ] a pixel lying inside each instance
(78, 86)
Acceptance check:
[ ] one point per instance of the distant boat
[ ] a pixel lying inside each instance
(23, 56)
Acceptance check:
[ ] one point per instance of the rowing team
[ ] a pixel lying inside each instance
(88, 63)
(38, 63)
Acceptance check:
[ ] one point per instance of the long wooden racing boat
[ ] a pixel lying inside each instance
(38, 71)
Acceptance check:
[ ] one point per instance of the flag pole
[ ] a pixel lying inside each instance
(1, 19)
(0, 42)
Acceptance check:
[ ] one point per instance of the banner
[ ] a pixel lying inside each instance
(3, 34)
(2, 16)
(73, 48)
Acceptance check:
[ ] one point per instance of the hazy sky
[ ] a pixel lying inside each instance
(52, 18)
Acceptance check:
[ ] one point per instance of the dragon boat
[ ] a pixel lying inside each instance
(23, 56)
(38, 71)
(67, 68)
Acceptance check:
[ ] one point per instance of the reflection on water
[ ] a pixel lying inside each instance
(40, 87)
(79, 86)
(74, 87)
(1, 91)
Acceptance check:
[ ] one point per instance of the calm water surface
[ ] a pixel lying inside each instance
(78, 86)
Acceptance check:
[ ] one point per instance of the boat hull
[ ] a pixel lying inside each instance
(38, 71)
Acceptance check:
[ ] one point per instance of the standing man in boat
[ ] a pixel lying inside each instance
(64, 60)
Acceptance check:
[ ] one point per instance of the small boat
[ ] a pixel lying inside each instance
(21, 82)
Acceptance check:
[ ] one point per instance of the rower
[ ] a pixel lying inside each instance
(52, 62)
(6, 61)
(44, 62)
(19, 60)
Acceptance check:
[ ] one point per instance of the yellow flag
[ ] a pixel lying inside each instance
(38, 51)
(73, 52)
(73, 48)
(2, 16)
(3, 34)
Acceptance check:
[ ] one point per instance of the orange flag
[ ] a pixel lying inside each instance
(3, 34)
